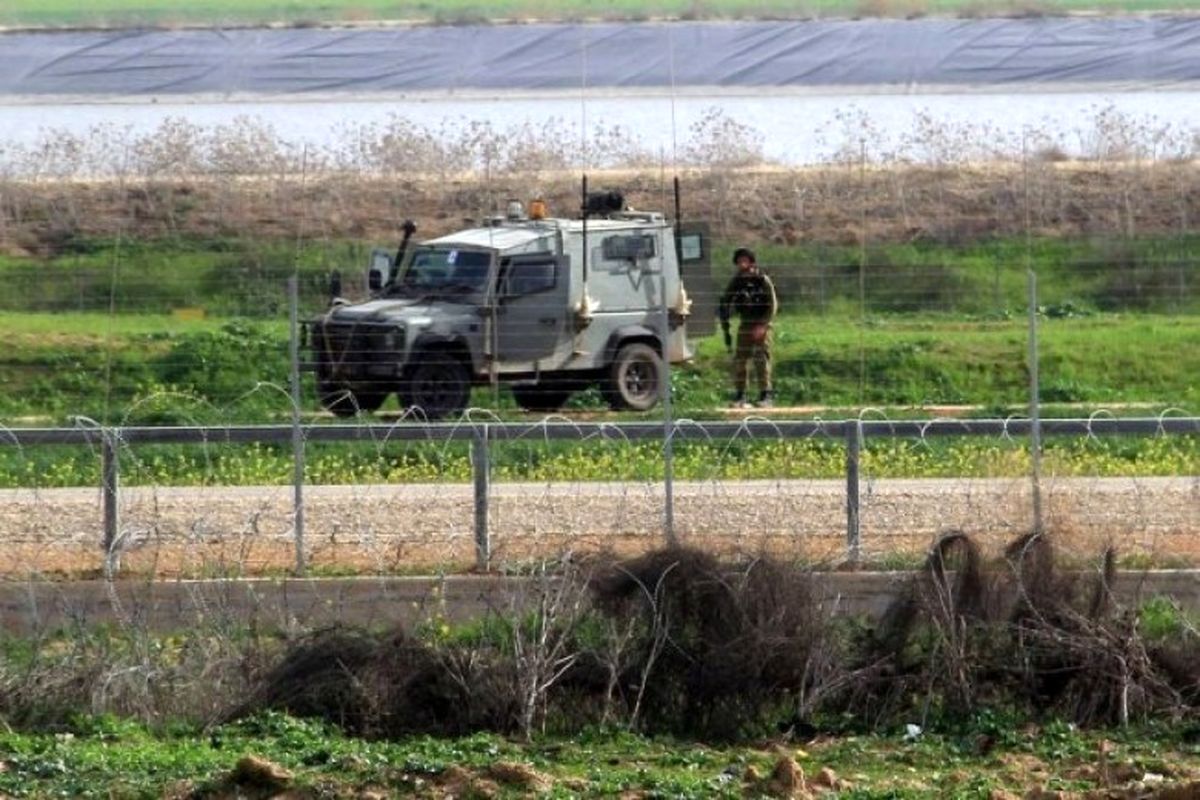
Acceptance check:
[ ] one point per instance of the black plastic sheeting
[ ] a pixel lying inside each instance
(905, 55)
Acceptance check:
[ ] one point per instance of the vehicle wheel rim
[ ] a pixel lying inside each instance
(436, 392)
(641, 381)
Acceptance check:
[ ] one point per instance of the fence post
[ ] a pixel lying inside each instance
(854, 433)
(664, 333)
(110, 476)
(481, 469)
(297, 436)
(1035, 411)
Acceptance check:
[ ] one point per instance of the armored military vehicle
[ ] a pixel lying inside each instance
(548, 306)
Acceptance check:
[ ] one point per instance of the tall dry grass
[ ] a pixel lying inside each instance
(942, 182)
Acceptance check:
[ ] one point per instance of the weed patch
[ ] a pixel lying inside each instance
(681, 642)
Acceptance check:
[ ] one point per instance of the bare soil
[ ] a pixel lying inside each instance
(393, 528)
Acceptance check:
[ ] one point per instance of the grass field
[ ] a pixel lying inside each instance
(158, 730)
(936, 325)
(220, 12)
(103, 757)
(153, 370)
(104, 324)
(98, 365)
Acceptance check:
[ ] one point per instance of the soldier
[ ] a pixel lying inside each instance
(750, 295)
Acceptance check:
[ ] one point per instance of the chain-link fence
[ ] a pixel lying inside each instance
(498, 495)
(160, 297)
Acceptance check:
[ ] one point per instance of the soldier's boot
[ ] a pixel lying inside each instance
(766, 399)
(739, 401)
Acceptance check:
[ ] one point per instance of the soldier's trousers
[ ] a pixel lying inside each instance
(755, 348)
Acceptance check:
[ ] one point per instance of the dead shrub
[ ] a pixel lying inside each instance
(127, 673)
(1019, 631)
(692, 645)
(675, 641)
(720, 643)
(386, 685)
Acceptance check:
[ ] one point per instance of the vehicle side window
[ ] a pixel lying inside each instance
(628, 247)
(530, 277)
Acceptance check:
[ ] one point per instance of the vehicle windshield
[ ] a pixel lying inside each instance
(435, 269)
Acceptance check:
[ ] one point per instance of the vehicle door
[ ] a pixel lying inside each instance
(531, 312)
(692, 243)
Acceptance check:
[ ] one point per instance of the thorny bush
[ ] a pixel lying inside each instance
(677, 641)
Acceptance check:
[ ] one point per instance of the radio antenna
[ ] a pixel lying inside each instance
(583, 85)
(671, 68)
(583, 150)
(583, 211)
(674, 141)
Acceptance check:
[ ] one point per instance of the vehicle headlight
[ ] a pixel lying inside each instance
(394, 339)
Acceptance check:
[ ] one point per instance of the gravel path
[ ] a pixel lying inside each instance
(174, 530)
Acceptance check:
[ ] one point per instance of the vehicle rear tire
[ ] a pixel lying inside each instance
(346, 402)
(544, 396)
(439, 386)
(634, 378)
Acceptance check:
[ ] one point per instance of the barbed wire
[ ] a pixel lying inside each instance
(401, 525)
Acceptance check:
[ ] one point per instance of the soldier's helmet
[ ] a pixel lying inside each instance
(746, 252)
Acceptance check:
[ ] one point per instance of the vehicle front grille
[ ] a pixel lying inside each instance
(342, 349)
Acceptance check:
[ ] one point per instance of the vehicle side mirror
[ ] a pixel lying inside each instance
(381, 265)
(335, 284)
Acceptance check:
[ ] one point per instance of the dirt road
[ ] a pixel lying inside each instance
(387, 528)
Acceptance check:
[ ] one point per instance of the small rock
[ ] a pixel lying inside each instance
(1045, 794)
(483, 788)
(1181, 791)
(454, 774)
(179, 790)
(787, 774)
(521, 775)
(1124, 773)
(827, 779)
(256, 771)
(1085, 772)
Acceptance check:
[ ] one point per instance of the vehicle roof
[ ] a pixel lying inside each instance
(508, 235)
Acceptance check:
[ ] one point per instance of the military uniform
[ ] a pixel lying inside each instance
(751, 296)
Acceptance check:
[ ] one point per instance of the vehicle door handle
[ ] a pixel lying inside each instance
(548, 320)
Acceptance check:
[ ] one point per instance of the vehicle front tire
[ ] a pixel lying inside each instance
(634, 378)
(343, 401)
(541, 396)
(439, 386)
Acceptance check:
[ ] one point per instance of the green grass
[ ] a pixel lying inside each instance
(936, 325)
(637, 463)
(232, 276)
(106, 757)
(223, 276)
(128, 366)
(168, 12)
(145, 366)
(97, 327)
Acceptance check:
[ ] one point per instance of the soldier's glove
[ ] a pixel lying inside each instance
(728, 338)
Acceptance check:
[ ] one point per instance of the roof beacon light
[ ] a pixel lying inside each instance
(515, 210)
(537, 208)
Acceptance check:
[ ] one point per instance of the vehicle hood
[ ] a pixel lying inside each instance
(401, 310)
